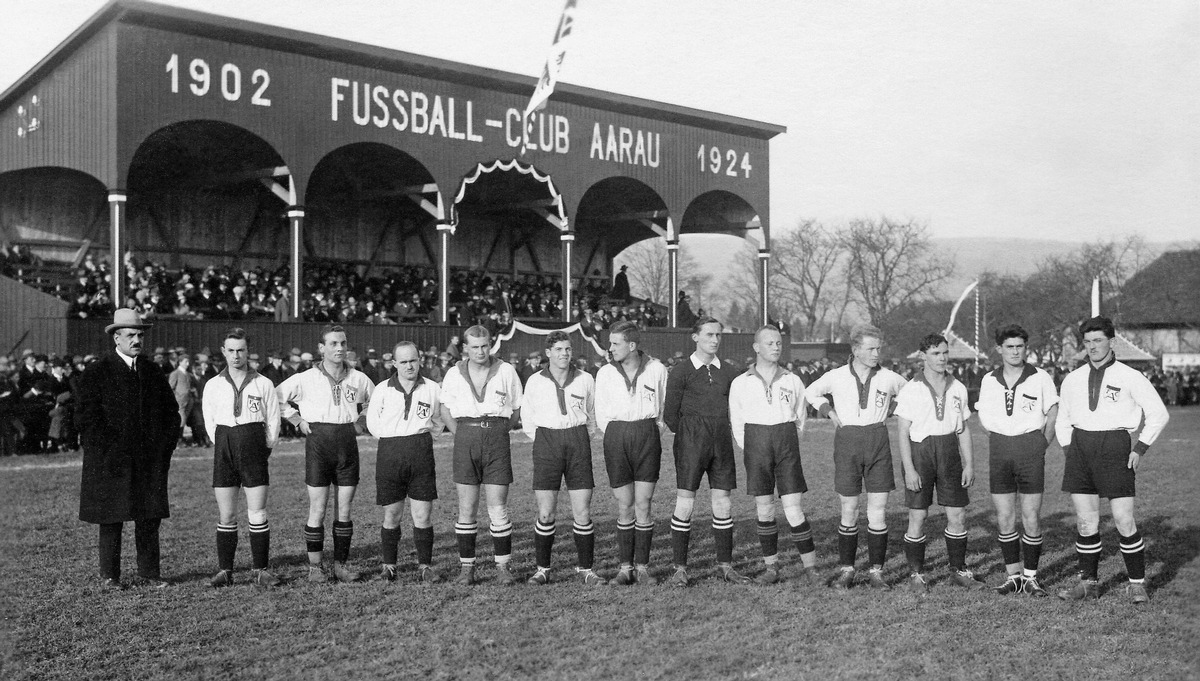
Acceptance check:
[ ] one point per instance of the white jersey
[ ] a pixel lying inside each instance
(1114, 397)
(254, 401)
(394, 412)
(322, 398)
(620, 399)
(755, 399)
(1017, 410)
(546, 404)
(931, 413)
(858, 401)
(500, 397)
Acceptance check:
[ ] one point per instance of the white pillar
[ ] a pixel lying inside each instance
(296, 222)
(568, 240)
(764, 259)
(673, 283)
(444, 231)
(116, 219)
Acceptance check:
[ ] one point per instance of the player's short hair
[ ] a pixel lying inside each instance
(766, 327)
(628, 330)
(477, 331)
(236, 333)
(858, 333)
(405, 344)
(556, 337)
(700, 323)
(932, 341)
(1098, 324)
(331, 328)
(1011, 331)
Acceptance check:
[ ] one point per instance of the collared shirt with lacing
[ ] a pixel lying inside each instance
(1017, 409)
(500, 397)
(859, 400)
(931, 412)
(767, 401)
(619, 398)
(396, 412)
(321, 398)
(253, 399)
(547, 404)
(1113, 396)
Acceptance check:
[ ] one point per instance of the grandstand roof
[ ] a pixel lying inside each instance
(1166, 293)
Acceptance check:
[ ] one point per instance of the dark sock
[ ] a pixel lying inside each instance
(260, 545)
(877, 541)
(681, 535)
(802, 538)
(1133, 550)
(643, 537)
(423, 542)
(1032, 548)
(389, 544)
(227, 541)
(466, 534)
(768, 537)
(914, 552)
(723, 538)
(1088, 550)
(625, 543)
(314, 538)
(501, 539)
(847, 545)
(110, 550)
(585, 545)
(543, 543)
(145, 537)
(956, 549)
(343, 533)
(1010, 547)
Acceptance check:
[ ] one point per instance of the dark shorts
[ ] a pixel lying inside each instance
(862, 456)
(704, 446)
(1097, 463)
(632, 452)
(404, 468)
(482, 455)
(562, 454)
(240, 456)
(331, 455)
(939, 464)
(773, 460)
(1017, 463)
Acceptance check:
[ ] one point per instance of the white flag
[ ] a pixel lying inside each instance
(558, 50)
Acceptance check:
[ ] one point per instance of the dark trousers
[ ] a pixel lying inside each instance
(145, 537)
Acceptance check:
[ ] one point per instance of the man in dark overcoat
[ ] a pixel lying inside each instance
(129, 425)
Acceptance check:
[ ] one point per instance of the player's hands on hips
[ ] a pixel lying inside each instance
(304, 428)
(1134, 459)
(912, 480)
(968, 476)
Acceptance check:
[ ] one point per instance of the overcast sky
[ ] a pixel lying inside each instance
(1060, 120)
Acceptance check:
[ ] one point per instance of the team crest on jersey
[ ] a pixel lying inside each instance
(786, 395)
(423, 409)
(881, 399)
(1028, 403)
(500, 397)
(1111, 393)
(349, 393)
(958, 404)
(577, 402)
(648, 393)
(254, 403)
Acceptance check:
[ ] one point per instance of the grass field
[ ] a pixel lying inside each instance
(57, 624)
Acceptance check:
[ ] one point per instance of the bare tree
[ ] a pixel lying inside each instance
(649, 271)
(890, 263)
(804, 273)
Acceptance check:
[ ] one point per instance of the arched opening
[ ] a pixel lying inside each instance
(722, 233)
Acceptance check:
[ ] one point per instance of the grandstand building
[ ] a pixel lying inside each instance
(191, 139)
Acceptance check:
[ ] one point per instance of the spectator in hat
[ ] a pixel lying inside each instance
(620, 290)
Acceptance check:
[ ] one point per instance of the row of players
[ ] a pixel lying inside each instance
(709, 405)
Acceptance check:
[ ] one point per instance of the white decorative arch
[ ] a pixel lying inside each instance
(555, 214)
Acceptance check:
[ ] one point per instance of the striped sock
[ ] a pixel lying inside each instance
(723, 538)
(543, 543)
(768, 538)
(1133, 550)
(227, 541)
(877, 541)
(643, 537)
(343, 532)
(260, 544)
(914, 552)
(423, 542)
(1088, 550)
(625, 542)
(585, 545)
(681, 535)
(466, 533)
(1031, 546)
(1010, 547)
(501, 541)
(389, 544)
(956, 548)
(803, 539)
(314, 538)
(847, 545)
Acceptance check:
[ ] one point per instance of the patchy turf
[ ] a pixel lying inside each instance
(58, 625)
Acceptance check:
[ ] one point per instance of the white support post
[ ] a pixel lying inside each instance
(295, 216)
(116, 219)
(764, 259)
(673, 283)
(568, 240)
(444, 231)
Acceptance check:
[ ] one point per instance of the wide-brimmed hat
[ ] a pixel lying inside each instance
(124, 318)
